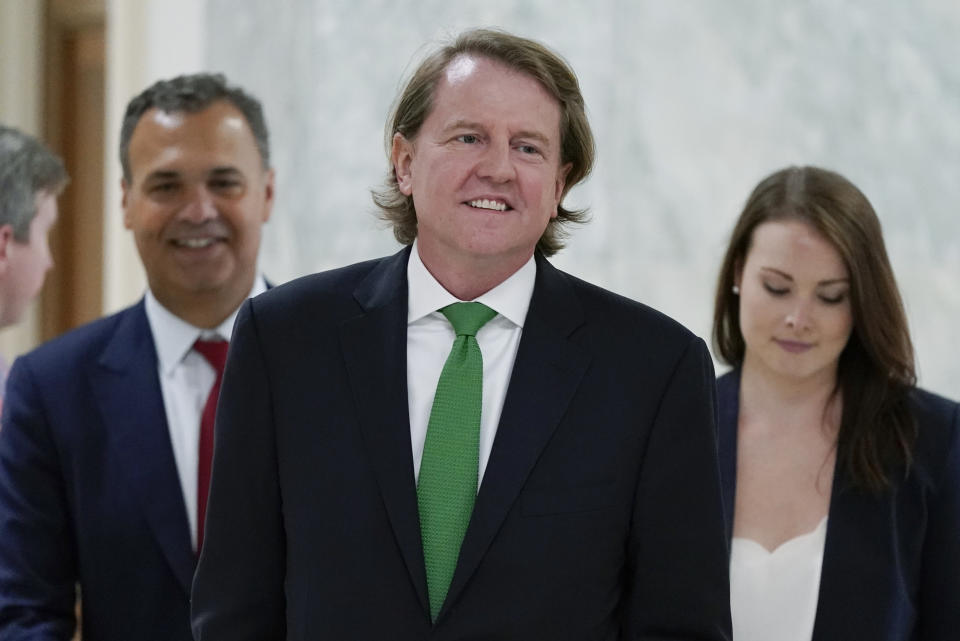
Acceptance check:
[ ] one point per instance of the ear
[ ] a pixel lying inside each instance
(6, 238)
(737, 273)
(560, 185)
(125, 202)
(401, 156)
(268, 193)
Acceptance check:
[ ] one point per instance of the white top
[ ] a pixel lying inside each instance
(430, 338)
(773, 595)
(186, 379)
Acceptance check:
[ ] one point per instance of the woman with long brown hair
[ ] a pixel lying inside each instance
(842, 477)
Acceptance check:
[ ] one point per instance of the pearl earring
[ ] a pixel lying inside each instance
(735, 290)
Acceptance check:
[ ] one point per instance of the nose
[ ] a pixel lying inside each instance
(496, 163)
(798, 317)
(200, 207)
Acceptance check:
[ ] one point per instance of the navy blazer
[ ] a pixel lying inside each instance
(599, 515)
(891, 563)
(89, 492)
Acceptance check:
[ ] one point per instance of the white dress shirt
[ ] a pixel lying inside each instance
(430, 338)
(186, 379)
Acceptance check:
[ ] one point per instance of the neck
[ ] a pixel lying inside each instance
(205, 309)
(789, 401)
(472, 277)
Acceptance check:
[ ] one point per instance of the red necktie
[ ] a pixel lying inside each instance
(216, 354)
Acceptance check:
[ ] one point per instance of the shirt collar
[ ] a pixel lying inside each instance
(174, 337)
(510, 299)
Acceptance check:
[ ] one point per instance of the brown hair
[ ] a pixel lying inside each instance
(876, 368)
(525, 56)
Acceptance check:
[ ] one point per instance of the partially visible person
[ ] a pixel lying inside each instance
(31, 179)
(842, 475)
(106, 447)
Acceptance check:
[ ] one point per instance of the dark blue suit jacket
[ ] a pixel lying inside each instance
(599, 515)
(89, 492)
(891, 564)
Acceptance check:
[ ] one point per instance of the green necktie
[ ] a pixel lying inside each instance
(447, 485)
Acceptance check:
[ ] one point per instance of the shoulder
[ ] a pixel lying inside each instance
(933, 410)
(641, 347)
(60, 372)
(324, 298)
(333, 283)
(630, 319)
(84, 344)
(938, 437)
(330, 285)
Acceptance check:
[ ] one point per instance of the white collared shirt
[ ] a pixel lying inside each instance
(186, 379)
(430, 338)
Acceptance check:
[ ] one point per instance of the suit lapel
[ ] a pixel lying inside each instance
(837, 579)
(545, 376)
(127, 389)
(728, 397)
(375, 351)
(856, 558)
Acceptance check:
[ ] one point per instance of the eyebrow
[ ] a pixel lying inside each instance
(168, 174)
(221, 171)
(161, 175)
(828, 281)
(466, 124)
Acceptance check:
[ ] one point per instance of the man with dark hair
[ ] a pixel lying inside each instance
(106, 445)
(31, 178)
(460, 441)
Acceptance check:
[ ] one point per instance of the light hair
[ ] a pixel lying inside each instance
(415, 103)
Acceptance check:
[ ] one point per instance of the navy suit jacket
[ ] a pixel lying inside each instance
(89, 492)
(891, 563)
(599, 515)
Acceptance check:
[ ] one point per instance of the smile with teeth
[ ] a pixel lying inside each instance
(496, 205)
(195, 243)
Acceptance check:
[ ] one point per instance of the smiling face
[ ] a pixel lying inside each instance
(197, 199)
(795, 311)
(484, 170)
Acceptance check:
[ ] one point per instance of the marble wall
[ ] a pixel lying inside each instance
(692, 103)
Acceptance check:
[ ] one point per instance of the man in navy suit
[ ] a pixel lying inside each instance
(593, 509)
(101, 448)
